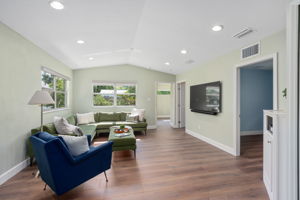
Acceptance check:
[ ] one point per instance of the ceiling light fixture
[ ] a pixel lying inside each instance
(183, 51)
(57, 5)
(91, 58)
(80, 42)
(217, 28)
(167, 63)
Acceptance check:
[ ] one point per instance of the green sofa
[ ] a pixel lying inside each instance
(103, 122)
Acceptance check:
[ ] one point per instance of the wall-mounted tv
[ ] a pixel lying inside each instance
(206, 98)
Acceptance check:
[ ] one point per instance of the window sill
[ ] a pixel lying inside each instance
(114, 106)
(56, 110)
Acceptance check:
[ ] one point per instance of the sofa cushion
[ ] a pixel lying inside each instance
(50, 128)
(121, 116)
(97, 117)
(104, 125)
(109, 116)
(133, 124)
(88, 129)
(71, 119)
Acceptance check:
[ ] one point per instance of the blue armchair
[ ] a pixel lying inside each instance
(60, 170)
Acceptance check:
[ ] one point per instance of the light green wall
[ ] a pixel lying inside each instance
(163, 101)
(220, 127)
(20, 68)
(145, 79)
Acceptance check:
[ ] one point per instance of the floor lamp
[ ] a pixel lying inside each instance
(41, 98)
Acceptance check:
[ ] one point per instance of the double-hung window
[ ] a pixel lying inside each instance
(56, 85)
(114, 94)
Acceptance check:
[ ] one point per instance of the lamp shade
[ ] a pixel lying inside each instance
(41, 97)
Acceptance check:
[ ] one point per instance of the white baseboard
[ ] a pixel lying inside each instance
(151, 127)
(163, 116)
(13, 171)
(257, 132)
(212, 142)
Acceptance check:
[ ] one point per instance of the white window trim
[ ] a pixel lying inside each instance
(114, 84)
(66, 92)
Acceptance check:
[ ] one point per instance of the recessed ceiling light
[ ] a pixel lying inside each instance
(167, 63)
(217, 28)
(80, 42)
(183, 51)
(91, 58)
(57, 5)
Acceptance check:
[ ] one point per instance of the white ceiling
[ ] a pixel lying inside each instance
(145, 33)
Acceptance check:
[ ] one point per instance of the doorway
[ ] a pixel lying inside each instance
(180, 101)
(253, 82)
(164, 103)
(256, 95)
(163, 98)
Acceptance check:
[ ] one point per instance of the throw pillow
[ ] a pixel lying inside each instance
(77, 145)
(139, 112)
(63, 127)
(85, 118)
(132, 118)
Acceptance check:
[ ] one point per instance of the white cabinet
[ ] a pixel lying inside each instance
(275, 154)
(268, 139)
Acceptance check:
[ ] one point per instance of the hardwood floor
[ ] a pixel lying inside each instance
(170, 164)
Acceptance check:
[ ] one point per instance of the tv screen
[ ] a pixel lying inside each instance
(206, 98)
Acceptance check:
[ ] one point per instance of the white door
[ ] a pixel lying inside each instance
(268, 149)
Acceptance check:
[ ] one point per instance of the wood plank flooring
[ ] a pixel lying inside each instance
(170, 165)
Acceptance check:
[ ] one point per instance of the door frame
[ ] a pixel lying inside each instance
(172, 112)
(177, 125)
(236, 93)
(292, 146)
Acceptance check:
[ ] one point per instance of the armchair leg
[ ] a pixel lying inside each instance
(105, 176)
(31, 161)
(45, 186)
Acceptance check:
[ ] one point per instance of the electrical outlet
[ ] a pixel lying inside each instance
(199, 127)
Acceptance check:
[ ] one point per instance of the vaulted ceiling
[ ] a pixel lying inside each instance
(146, 33)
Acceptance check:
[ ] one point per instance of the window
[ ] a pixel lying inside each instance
(57, 87)
(114, 94)
(163, 92)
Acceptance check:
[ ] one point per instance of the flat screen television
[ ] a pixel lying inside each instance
(206, 98)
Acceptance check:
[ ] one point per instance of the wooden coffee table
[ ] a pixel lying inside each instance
(122, 143)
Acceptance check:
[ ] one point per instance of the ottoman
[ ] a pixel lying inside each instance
(122, 143)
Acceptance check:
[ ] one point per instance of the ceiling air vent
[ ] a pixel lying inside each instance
(243, 33)
(250, 51)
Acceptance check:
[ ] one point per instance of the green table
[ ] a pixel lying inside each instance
(122, 143)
